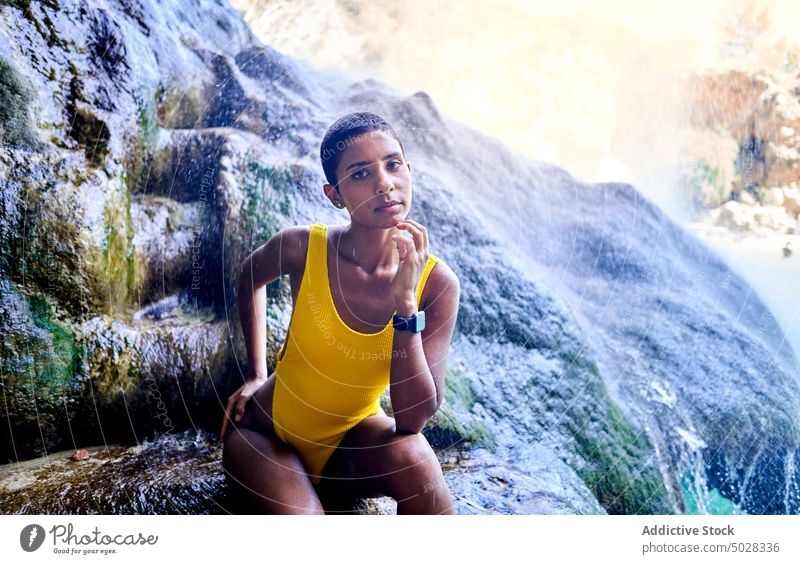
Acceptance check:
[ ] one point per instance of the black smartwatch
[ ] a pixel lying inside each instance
(415, 323)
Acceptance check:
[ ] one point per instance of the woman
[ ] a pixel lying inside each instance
(315, 424)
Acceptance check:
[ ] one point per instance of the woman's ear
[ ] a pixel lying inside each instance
(332, 193)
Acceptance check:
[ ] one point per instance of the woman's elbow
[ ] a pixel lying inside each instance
(411, 424)
(407, 428)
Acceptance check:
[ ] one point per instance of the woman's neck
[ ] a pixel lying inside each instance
(371, 248)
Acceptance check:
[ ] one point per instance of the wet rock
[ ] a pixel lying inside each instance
(40, 359)
(15, 100)
(177, 475)
(264, 63)
(167, 232)
(238, 101)
(91, 132)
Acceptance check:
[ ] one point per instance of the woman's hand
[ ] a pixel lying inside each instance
(238, 401)
(413, 257)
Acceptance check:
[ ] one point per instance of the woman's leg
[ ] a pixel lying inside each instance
(373, 460)
(268, 474)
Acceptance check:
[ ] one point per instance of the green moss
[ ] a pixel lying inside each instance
(267, 190)
(457, 390)
(15, 100)
(140, 154)
(56, 364)
(179, 107)
(118, 266)
(615, 461)
(453, 425)
(448, 428)
(117, 374)
(148, 122)
(576, 361)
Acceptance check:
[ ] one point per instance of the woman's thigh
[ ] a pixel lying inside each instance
(267, 474)
(374, 460)
(263, 470)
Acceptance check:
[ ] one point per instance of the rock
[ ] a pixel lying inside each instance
(15, 101)
(761, 111)
(120, 480)
(791, 200)
(773, 196)
(41, 356)
(263, 63)
(745, 198)
(754, 219)
(733, 215)
(167, 232)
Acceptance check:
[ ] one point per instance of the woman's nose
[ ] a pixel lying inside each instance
(384, 183)
(383, 188)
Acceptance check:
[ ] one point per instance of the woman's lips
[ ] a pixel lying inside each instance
(390, 208)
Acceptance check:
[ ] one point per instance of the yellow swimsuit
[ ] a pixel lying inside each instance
(328, 377)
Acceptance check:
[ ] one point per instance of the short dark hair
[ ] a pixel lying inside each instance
(344, 133)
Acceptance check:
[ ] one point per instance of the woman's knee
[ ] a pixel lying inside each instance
(412, 454)
(266, 475)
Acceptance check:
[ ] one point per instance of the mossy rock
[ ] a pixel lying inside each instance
(15, 101)
(41, 360)
(614, 460)
(267, 202)
(453, 426)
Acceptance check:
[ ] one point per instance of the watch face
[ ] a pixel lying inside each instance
(415, 323)
(420, 321)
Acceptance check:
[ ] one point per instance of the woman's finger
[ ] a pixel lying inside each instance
(419, 238)
(403, 245)
(229, 410)
(241, 405)
(421, 228)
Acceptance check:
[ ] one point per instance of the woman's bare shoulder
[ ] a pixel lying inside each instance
(441, 281)
(294, 243)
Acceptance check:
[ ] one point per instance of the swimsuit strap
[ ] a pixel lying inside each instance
(432, 260)
(316, 261)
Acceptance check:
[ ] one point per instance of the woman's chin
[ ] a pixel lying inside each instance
(391, 219)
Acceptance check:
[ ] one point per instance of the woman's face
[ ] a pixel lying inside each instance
(371, 173)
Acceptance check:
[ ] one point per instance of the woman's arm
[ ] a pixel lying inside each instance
(280, 255)
(419, 360)
(276, 257)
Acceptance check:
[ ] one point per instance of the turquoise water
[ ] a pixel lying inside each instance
(716, 504)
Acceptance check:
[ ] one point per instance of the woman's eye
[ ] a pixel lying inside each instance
(358, 176)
